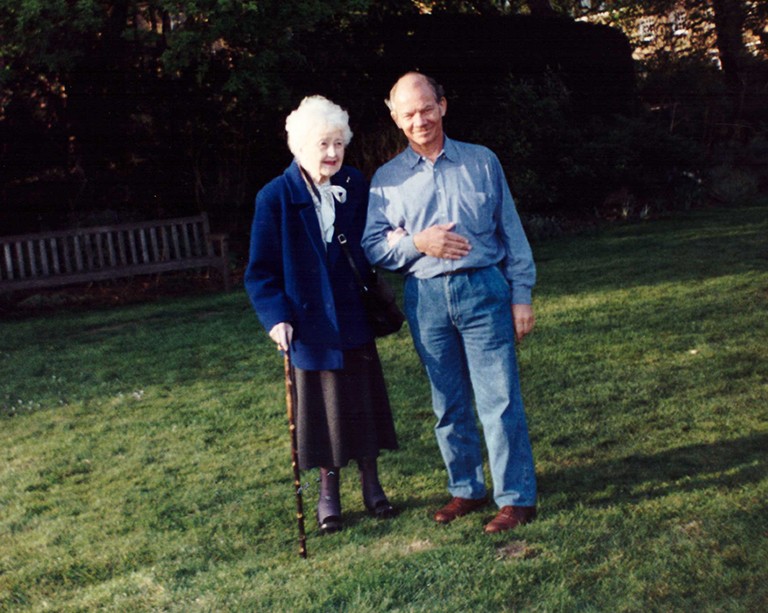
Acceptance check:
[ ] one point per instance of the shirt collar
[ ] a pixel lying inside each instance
(449, 151)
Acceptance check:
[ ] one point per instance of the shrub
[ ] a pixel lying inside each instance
(731, 185)
(561, 163)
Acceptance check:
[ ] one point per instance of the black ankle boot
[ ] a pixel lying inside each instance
(374, 498)
(329, 505)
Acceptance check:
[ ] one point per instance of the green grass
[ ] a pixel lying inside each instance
(144, 459)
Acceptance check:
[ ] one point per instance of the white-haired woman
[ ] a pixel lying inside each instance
(305, 295)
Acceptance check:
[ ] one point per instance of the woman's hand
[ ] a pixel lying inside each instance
(394, 236)
(282, 334)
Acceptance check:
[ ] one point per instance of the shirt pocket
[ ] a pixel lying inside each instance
(476, 210)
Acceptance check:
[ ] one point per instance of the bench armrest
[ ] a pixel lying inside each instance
(220, 243)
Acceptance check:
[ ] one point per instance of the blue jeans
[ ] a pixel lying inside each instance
(463, 331)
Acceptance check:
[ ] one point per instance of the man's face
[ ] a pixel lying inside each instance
(419, 115)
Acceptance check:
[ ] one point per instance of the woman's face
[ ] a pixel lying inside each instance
(322, 154)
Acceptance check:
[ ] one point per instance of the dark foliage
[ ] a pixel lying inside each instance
(129, 124)
(130, 140)
(471, 56)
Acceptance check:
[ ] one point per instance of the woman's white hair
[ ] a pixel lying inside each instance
(315, 112)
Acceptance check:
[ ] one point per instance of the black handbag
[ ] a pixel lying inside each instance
(384, 316)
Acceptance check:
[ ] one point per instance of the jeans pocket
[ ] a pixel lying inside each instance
(497, 285)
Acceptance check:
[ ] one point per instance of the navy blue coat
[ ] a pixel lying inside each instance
(291, 278)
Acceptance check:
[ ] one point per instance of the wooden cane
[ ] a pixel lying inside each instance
(290, 395)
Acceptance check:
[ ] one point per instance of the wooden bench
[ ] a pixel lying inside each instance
(81, 255)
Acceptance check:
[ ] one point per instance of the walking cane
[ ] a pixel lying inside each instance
(289, 402)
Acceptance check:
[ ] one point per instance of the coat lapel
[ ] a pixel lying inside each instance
(309, 217)
(301, 199)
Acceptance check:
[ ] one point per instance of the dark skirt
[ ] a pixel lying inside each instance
(343, 415)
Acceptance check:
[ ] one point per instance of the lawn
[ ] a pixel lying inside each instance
(145, 463)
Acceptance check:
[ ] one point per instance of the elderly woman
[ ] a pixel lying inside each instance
(304, 293)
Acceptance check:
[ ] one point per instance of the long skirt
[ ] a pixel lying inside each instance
(343, 415)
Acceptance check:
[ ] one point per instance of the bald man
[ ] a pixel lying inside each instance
(441, 213)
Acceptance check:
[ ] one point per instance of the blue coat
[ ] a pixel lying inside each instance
(290, 277)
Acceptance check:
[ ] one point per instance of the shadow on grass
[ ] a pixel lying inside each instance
(726, 464)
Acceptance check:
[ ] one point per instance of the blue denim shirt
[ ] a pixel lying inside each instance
(466, 184)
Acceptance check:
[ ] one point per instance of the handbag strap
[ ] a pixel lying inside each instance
(311, 183)
(342, 240)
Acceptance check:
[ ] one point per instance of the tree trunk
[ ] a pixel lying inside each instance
(729, 25)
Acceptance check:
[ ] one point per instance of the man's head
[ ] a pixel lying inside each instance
(417, 105)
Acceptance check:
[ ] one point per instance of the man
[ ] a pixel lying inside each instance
(441, 212)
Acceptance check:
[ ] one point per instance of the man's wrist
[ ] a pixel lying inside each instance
(416, 240)
(409, 248)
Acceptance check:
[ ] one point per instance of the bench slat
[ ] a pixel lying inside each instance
(20, 256)
(32, 260)
(112, 255)
(165, 252)
(54, 256)
(196, 235)
(153, 243)
(78, 253)
(175, 241)
(43, 258)
(8, 261)
(185, 237)
(120, 249)
(143, 242)
(132, 242)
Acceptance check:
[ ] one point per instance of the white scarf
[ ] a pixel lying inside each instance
(326, 207)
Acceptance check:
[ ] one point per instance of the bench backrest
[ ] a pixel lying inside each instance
(84, 250)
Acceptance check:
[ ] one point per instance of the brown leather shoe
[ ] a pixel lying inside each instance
(510, 517)
(458, 507)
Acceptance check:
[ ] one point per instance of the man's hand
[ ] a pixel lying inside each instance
(522, 315)
(282, 334)
(439, 241)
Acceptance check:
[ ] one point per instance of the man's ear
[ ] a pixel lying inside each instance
(443, 106)
(393, 115)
